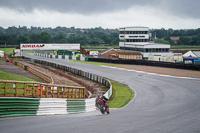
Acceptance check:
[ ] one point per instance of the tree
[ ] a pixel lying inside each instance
(184, 40)
(161, 41)
(195, 40)
(23, 39)
(45, 37)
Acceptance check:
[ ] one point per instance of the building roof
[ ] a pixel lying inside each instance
(197, 53)
(134, 27)
(153, 43)
(125, 52)
(106, 50)
(175, 38)
(180, 51)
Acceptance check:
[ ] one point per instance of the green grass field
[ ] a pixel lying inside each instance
(2, 59)
(95, 63)
(121, 95)
(7, 50)
(10, 76)
(184, 47)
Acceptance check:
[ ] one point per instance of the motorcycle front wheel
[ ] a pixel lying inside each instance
(102, 109)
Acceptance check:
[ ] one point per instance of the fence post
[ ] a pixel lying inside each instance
(67, 92)
(79, 90)
(5, 88)
(46, 87)
(24, 90)
(83, 93)
(53, 92)
(58, 92)
(63, 92)
(33, 90)
(75, 93)
(15, 89)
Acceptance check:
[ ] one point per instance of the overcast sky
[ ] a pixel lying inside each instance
(176, 14)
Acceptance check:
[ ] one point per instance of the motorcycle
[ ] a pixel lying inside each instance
(100, 104)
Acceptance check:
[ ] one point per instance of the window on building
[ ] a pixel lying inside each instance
(156, 49)
(121, 32)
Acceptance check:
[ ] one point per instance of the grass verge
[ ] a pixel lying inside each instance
(10, 76)
(121, 95)
(7, 50)
(2, 59)
(184, 47)
(95, 63)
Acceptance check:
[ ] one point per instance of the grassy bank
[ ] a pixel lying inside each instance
(95, 63)
(10, 76)
(121, 95)
(7, 50)
(184, 47)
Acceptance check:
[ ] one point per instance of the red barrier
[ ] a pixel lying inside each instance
(38, 91)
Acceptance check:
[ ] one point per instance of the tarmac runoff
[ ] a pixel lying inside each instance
(170, 76)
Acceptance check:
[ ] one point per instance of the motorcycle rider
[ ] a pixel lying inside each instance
(102, 97)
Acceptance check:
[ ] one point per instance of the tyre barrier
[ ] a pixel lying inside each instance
(19, 106)
(67, 57)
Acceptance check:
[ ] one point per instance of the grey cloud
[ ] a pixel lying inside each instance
(182, 8)
(77, 6)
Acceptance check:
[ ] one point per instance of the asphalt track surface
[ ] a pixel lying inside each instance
(161, 105)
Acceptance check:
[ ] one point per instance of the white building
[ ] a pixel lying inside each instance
(192, 53)
(139, 39)
(1, 53)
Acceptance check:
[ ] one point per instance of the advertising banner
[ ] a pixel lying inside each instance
(47, 46)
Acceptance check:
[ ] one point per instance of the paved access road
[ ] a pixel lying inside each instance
(161, 105)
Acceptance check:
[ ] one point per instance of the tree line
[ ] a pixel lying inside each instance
(93, 36)
(89, 36)
(187, 36)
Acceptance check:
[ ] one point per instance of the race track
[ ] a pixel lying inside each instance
(161, 105)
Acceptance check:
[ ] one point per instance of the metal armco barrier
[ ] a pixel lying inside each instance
(37, 89)
(35, 72)
(41, 75)
(87, 75)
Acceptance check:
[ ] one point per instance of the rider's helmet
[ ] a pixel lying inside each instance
(99, 95)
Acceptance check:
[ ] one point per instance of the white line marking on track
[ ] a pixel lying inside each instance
(170, 76)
